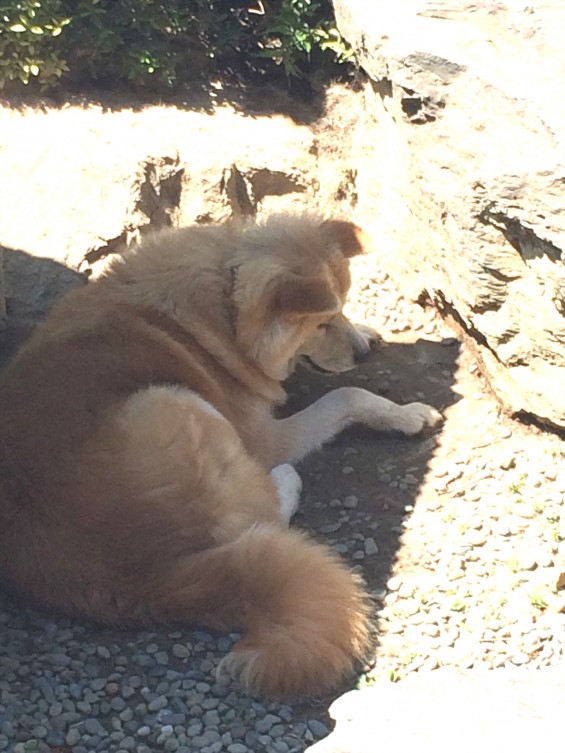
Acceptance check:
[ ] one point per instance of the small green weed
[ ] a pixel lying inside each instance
(517, 487)
(458, 606)
(538, 600)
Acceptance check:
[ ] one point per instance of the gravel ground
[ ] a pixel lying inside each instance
(460, 535)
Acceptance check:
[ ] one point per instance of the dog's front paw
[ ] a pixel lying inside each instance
(414, 417)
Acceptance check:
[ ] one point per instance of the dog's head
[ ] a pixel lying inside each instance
(340, 346)
(291, 286)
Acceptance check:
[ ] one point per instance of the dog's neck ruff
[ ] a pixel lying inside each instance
(217, 349)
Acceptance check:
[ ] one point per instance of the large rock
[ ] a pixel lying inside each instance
(81, 182)
(462, 174)
(449, 710)
(78, 182)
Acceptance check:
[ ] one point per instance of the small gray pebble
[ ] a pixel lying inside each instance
(180, 651)
(93, 727)
(371, 547)
(73, 736)
(330, 528)
(126, 715)
(157, 703)
(265, 723)
(277, 730)
(118, 704)
(211, 718)
(285, 713)
(317, 728)
(224, 644)
(279, 746)
(210, 703)
(195, 728)
(351, 502)
(238, 748)
(208, 738)
(340, 548)
(213, 748)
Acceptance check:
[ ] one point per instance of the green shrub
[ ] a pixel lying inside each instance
(144, 41)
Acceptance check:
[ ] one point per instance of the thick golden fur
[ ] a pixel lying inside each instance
(140, 463)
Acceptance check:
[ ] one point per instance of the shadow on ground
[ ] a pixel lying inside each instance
(33, 285)
(358, 492)
(262, 97)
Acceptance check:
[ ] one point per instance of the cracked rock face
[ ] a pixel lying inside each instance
(465, 185)
(81, 183)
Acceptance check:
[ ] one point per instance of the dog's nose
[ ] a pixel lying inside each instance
(361, 354)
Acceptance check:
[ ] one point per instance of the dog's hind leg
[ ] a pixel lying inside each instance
(312, 427)
(185, 458)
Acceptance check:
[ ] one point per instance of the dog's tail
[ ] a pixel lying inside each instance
(305, 615)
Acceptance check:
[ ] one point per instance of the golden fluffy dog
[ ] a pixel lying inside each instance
(143, 476)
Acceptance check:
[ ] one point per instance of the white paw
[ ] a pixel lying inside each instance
(289, 486)
(414, 417)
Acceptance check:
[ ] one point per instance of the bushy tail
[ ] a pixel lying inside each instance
(304, 613)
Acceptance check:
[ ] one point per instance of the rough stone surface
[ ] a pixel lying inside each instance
(463, 174)
(35, 284)
(101, 177)
(448, 710)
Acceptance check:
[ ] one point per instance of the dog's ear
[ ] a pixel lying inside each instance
(347, 236)
(305, 295)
